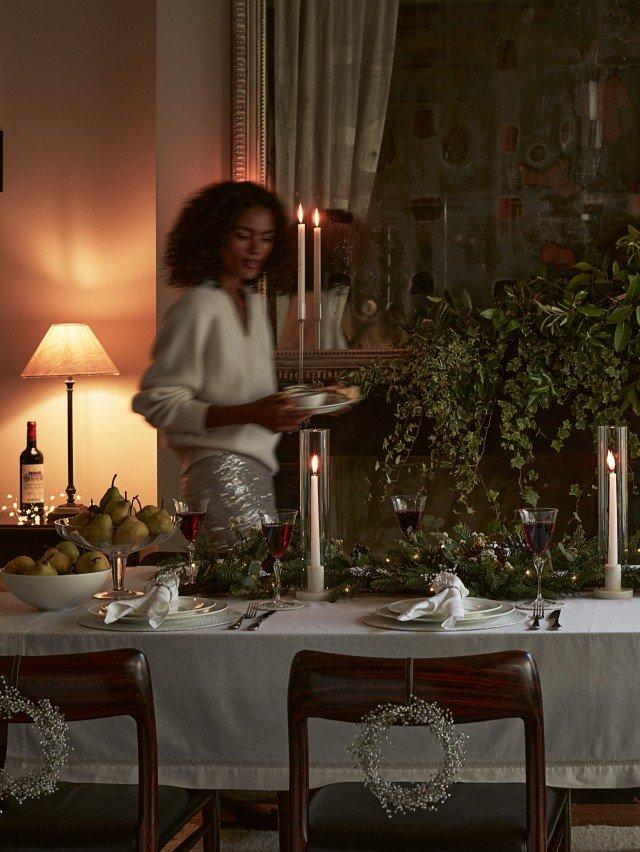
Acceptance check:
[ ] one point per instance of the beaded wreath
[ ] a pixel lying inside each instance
(373, 731)
(52, 734)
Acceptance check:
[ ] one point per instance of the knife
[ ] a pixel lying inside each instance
(255, 624)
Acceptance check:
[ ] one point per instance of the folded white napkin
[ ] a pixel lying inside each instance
(449, 591)
(157, 603)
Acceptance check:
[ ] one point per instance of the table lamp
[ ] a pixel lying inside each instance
(68, 350)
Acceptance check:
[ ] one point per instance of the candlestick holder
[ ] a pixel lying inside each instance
(314, 509)
(612, 445)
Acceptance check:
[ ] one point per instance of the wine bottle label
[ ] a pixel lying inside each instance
(32, 483)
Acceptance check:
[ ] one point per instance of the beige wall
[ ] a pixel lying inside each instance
(77, 227)
(193, 63)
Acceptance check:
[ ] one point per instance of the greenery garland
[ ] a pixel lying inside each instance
(496, 565)
(570, 341)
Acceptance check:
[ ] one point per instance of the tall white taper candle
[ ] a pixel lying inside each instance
(317, 277)
(613, 579)
(302, 308)
(315, 579)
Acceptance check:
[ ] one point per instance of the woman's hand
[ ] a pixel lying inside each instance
(276, 412)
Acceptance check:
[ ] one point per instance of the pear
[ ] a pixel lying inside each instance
(90, 562)
(99, 531)
(41, 569)
(69, 549)
(77, 522)
(110, 494)
(160, 522)
(146, 513)
(18, 565)
(118, 509)
(60, 561)
(131, 531)
(93, 510)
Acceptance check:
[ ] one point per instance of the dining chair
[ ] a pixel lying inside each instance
(143, 816)
(476, 816)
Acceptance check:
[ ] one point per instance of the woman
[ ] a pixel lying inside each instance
(211, 386)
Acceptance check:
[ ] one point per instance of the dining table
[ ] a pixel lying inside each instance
(221, 696)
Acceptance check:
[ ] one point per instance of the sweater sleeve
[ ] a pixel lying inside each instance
(168, 397)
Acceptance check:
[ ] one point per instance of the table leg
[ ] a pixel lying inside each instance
(283, 819)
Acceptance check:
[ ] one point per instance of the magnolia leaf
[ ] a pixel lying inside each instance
(615, 268)
(488, 313)
(620, 314)
(633, 290)
(582, 265)
(622, 335)
(633, 232)
(590, 310)
(579, 279)
(465, 298)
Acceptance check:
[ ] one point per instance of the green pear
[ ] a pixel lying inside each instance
(110, 494)
(131, 531)
(99, 531)
(160, 522)
(18, 565)
(77, 522)
(60, 561)
(93, 510)
(90, 562)
(118, 509)
(147, 512)
(69, 549)
(41, 569)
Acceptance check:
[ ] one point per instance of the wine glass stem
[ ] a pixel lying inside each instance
(191, 552)
(277, 569)
(538, 564)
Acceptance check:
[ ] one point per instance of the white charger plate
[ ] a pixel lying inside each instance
(431, 618)
(474, 608)
(188, 607)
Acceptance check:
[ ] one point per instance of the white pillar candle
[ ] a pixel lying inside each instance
(317, 274)
(315, 579)
(612, 574)
(301, 265)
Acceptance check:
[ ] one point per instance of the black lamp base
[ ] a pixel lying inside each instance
(66, 510)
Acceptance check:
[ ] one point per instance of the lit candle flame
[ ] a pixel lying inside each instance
(300, 214)
(611, 462)
(316, 218)
(315, 463)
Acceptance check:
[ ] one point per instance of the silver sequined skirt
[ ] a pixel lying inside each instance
(238, 487)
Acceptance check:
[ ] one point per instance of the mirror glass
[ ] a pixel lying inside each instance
(448, 145)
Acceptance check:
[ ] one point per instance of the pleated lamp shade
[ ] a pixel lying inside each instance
(69, 349)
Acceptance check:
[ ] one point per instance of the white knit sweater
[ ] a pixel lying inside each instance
(202, 356)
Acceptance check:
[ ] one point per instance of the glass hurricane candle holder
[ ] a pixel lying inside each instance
(314, 507)
(613, 439)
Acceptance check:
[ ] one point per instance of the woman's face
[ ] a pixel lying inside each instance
(249, 244)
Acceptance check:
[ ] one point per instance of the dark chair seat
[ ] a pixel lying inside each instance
(475, 818)
(91, 816)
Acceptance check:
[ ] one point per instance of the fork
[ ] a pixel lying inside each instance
(538, 613)
(252, 611)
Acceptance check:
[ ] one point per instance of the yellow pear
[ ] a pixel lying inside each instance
(146, 513)
(41, 569)
(131, 531)
(99, 531)
(90, 562)
(80, 520)
(60, 561)
(118, 509)
(69, 549)
(18, 565)
(160, 522)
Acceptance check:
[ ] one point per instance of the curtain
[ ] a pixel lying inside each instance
(333, 62)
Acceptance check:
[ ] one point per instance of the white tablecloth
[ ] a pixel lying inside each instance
(220, 696)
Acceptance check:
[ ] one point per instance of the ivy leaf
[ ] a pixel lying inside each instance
(530, 496)
(575, 490)
(620, 314)
(490, 313)
(622, 335)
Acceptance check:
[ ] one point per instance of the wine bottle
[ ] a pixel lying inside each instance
(31, 474)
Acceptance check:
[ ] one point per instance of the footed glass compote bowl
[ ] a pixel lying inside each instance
(117, 555)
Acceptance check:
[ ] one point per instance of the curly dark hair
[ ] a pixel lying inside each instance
(192, 251)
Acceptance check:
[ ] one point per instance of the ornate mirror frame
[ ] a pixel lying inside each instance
(248, 162)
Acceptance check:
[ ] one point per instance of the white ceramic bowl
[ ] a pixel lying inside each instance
(63, 592)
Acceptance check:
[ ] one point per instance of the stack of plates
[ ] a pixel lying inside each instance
(192, 613)
(480, 614)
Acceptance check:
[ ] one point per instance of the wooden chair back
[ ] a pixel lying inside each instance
(475, 688)
(97, 686)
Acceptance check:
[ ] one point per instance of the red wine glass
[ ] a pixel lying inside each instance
(538, 526)
(277, 528)
(409, 509)
(191, 514)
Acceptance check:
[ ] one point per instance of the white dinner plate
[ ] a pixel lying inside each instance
(473, 607)
(188, 607)
(470, 617)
